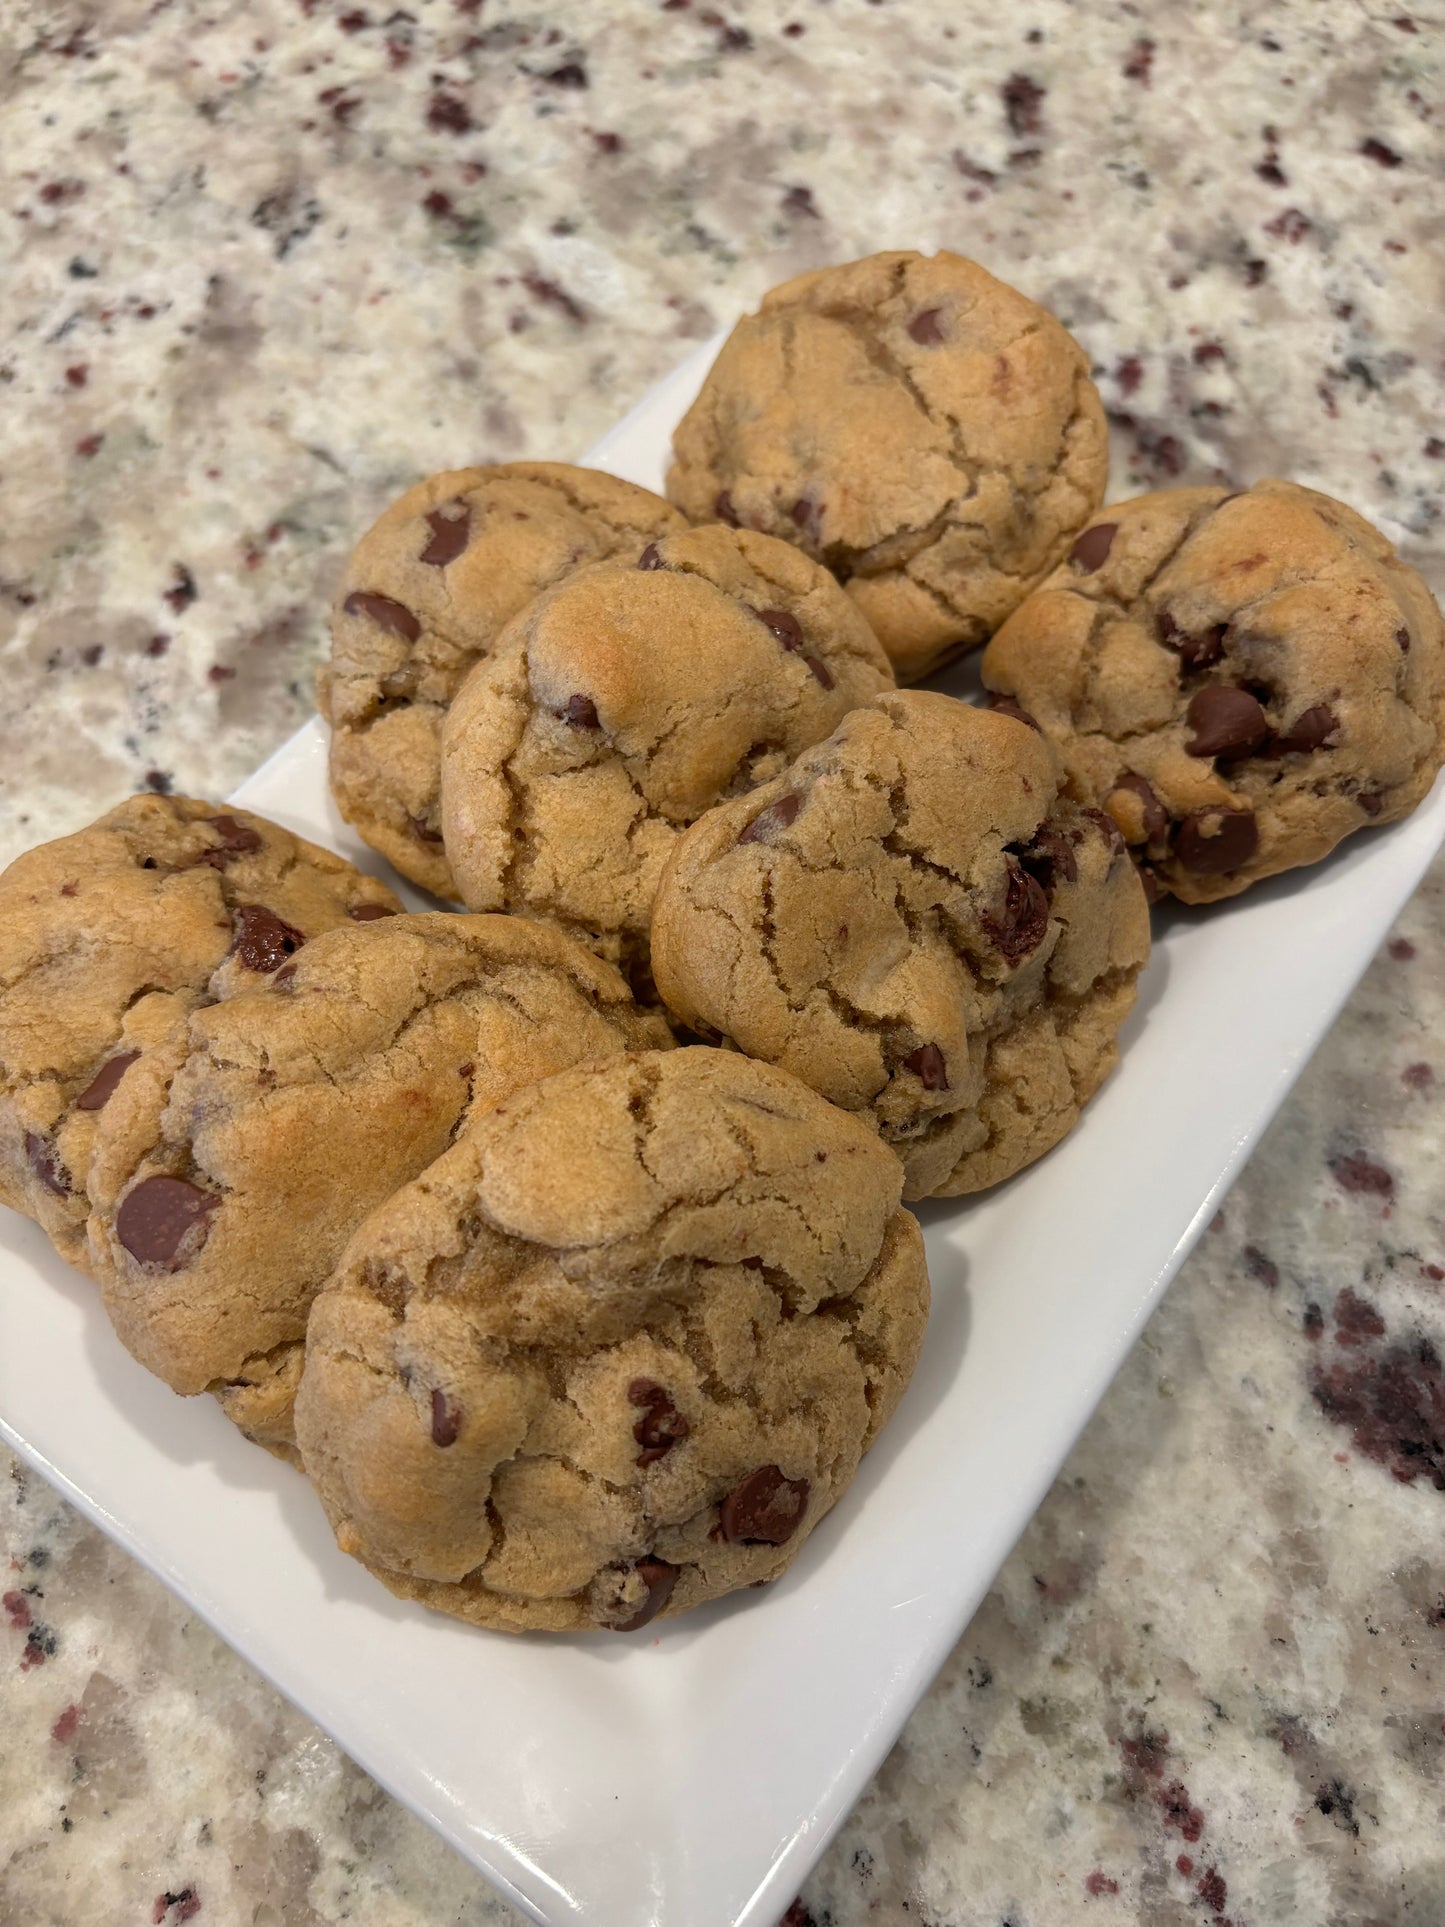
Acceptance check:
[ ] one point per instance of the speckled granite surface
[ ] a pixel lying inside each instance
(262, 263)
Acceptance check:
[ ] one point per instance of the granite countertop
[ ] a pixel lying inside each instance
(265, 262)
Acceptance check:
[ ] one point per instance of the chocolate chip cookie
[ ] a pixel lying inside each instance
(916, 923)
(619, 1350)
(1241, 680)
(427, 591)
(624, 703)
(163, 900)
(242, 1149)
(928, 432)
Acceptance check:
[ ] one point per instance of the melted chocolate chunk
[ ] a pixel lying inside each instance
(164, 1221)
(1156, 817)
(580, 712)
(394, 617)
(1006, 706)
(1226, 722)
(262, 940)
(1024, 921)
(765, 1510)
(368, 912)
(659, 1579)
(777, 816)
(101, 1088)
(1091, 550)
(44, 1161)
(446, 1419)
(239, 838)
(1371, 802)
(661, 1426)
(924, 328)
(1050, 858)
(650, 559)
(1402, 636)
(787, 628)
(723, 509)
(928, 1066)
(1310, 730)
(450, 534)
(821, 672)
(1194, 651)
(1214, 842)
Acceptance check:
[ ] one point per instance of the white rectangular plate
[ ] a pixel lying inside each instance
(690, 1779)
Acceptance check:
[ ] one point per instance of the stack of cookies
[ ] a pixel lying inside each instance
(559, 1241)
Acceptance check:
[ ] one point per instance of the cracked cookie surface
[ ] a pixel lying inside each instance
(624, 703)
(915, 922)
(928, 432)
(159, 904)
(1241, 680)
(245, 1145)
(426, 592)
(618, 1350)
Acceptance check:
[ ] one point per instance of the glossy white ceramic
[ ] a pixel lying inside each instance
(689, 1778)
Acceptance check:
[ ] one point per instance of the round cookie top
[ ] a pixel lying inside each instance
(1240, 679)
(624, 703)
(927, 431)
(244, 1147)
(163, 897)
(426, 592)
(618, 1350)
(915, 922)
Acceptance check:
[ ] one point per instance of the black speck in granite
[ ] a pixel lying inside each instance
(1023, 105)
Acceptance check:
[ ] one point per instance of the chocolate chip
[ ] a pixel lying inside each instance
(807, 515)
(1153, 888)
(661, 1426)
(1371, 802)
(262, 940)
(1193, 651)
(44, 1160)
(368, 912)
(765, 1510)
(579, 712)
(1108, 828)
(446, 1419)
(1402, 636)
(787, 628)
(1091, 550)
(284, 977)
(928, 1066)
(777, 816)
(821, 672)
(1006, 706)
(659, 1579)
(394, 617)
(1050, 858)
(1227, 722)
(237, 837)
(450, 534)
(1213, 842)
(1156, 817)
(164, 1221)
(101, 1088)
(1025, 918)
(724, 511)
(650, 559)
(924, 328)
(1310, 730)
